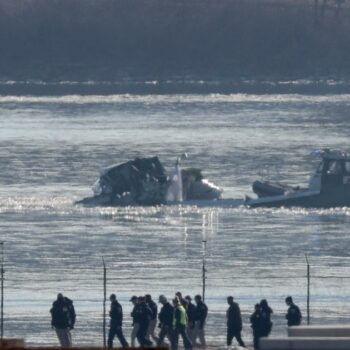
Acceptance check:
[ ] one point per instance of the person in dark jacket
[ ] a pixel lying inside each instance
(265, 318)
(165, 317)
(63, 319)
(143, 316)
(179, 326)
(234, 322)
(293, 315)
(190, 317)
(255, 324)
(153, 318)
(200, 315)
(135, 325)
(115, 329)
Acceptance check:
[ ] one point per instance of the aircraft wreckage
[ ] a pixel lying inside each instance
(144, 181)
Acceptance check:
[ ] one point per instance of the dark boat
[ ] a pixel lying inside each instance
(144, 181)
(268, 188)
(328, 187)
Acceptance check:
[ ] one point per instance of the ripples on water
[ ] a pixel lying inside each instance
(51, 148)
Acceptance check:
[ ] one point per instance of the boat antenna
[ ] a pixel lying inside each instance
(182, 157)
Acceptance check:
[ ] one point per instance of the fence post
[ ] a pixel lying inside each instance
(2, 271)
(204, 270)
(104, 301)
(308, 290)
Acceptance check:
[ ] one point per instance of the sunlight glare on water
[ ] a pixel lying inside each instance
(51, 151)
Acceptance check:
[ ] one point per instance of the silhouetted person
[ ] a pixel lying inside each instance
(63, 319)
(179, 326)
(255, 324)
(190, 318)
(293, 315)
(143, 315)
(153, 318)
(200, 316)
(234, 323)
(265, 318)
(135, 323)
(165, 317)
(116, 323)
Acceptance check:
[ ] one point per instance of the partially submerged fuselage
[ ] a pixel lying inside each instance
(144, 181)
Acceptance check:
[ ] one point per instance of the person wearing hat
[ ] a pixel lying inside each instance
(293, 315)
(165, 321)
(63, 319)
(153, 319)
(135, 322)
(190, 316)
(115, 329)
(234, 322)
(179, 326)
(200, 315)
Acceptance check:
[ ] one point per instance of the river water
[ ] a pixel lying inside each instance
(52, 147)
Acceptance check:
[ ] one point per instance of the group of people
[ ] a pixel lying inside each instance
(261, 319)
(181, 317)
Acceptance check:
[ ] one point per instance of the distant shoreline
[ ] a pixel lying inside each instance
(108, 40)
(175, 85)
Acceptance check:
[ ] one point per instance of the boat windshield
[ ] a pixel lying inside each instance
(320, 167)
(347, 167)
(334, 168)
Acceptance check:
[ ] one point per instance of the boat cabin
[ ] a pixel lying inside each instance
(334, 169)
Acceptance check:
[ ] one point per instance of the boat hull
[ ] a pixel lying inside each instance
(329, 197)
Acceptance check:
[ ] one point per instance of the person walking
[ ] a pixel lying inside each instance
(255, 324)
(115, 329)
(63, 319)
(181, 299)
(293, 315)
(191, 321)
(144, 314)
(135, 321)
(200, 315)
(165, 317)
(153, 318)
(179, 326)
(234, 322)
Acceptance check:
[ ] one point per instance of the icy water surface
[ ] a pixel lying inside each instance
(51, 149)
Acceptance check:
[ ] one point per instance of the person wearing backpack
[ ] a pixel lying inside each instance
(63, 319)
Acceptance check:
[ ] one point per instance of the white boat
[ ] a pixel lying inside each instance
(329, 186)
